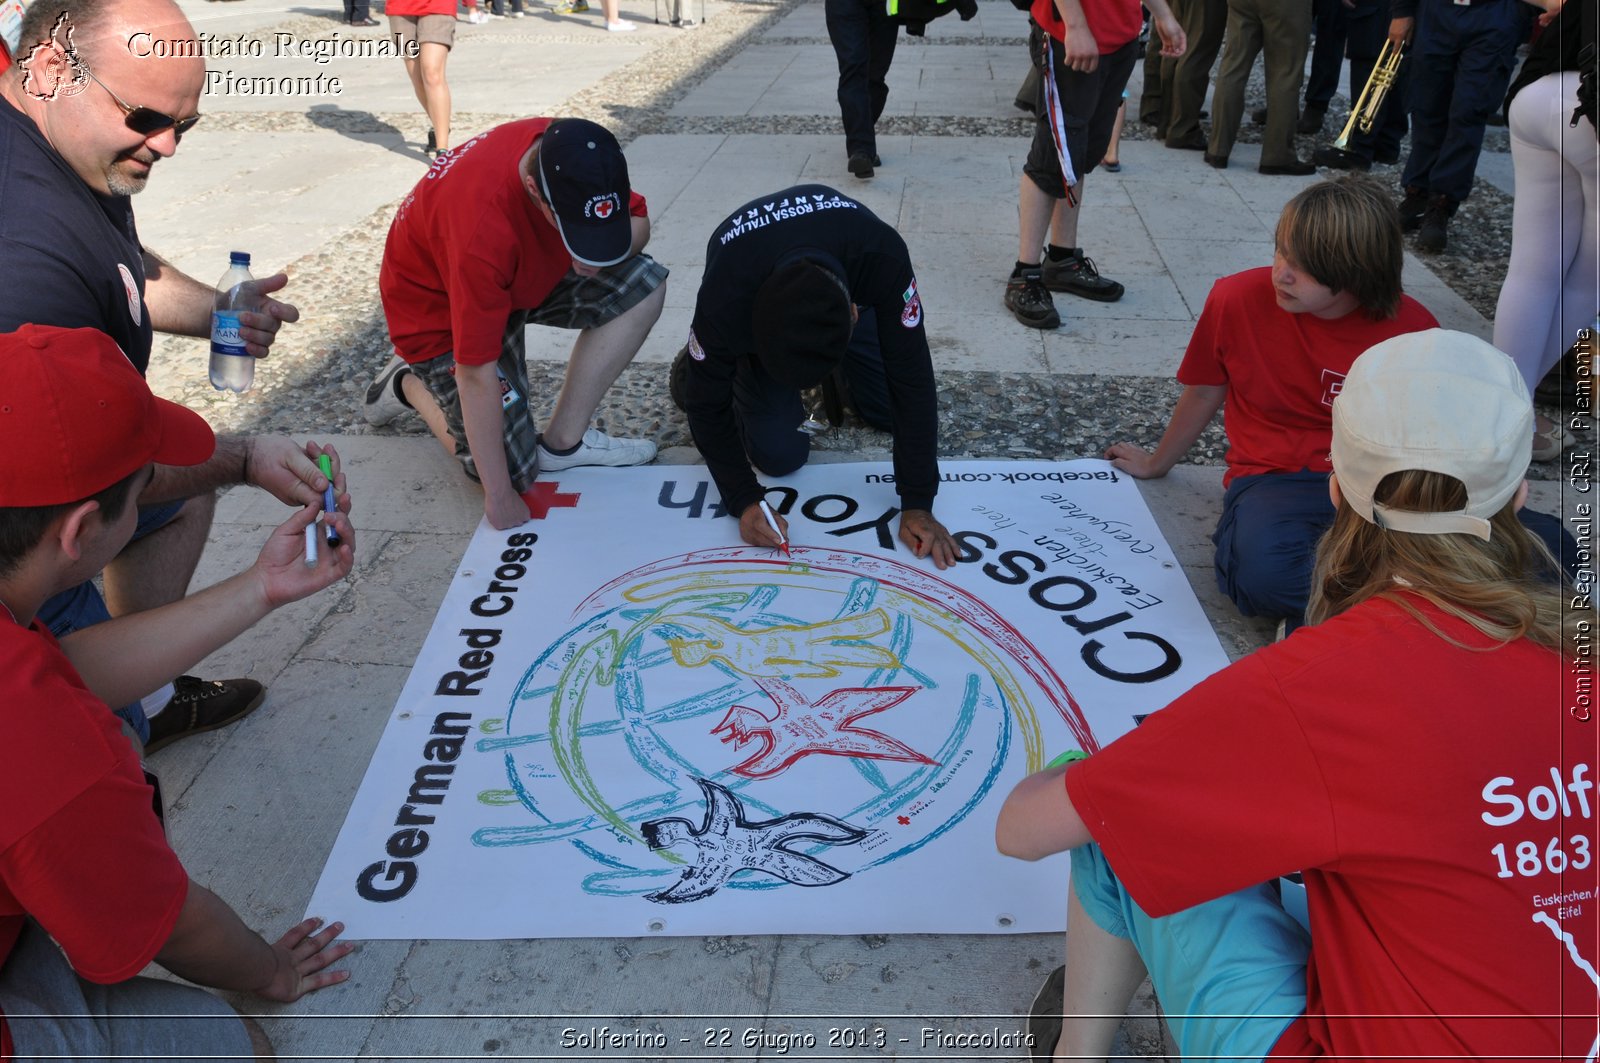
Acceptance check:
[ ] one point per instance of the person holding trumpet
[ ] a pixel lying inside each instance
(1461, 64)
(1377, 122)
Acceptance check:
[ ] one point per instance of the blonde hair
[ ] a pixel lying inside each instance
(1346, 234)
(1509, 587)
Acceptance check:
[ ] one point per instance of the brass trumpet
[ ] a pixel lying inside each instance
(1365, 111)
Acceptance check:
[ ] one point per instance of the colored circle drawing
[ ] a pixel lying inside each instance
(725, 719)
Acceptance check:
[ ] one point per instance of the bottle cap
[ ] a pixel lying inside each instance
(239, 258)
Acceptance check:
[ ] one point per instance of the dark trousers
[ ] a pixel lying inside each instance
(1203, 24)
(1267, 540)
(770, 414)
(1368, 29)
(1461, 62)
(1330, 18)
(1281, 29)
(356, 10)
(863, 42)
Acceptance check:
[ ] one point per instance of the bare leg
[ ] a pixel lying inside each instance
(598, 358)
(608, 8)
(422, 400)
(1034, 208)
(156, 569)
(1116, 135)
(1103, 973)
(1064, 219)
(414, 72)
(435, 90)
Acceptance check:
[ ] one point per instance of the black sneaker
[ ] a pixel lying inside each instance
(202, 705)
(1433, 232)
(1338, 159)
(1412, 207)
(1029, 300)
(860, 165)
(1077, 275)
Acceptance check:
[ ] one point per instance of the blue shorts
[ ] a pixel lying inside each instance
(1230, 973)
(82, 606)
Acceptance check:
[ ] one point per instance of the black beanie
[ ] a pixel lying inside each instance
(802, 324)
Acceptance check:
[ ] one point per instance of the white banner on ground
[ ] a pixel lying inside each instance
(625, 722)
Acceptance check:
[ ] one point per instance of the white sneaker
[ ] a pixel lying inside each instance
(477, 18)
(598, 448)
(383, 403)
(622, 25)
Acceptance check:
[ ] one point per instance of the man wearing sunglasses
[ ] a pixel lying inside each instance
(84, 119)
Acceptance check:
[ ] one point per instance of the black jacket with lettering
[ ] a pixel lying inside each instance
(741, 255)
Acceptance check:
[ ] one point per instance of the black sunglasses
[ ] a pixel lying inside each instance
(144, 120)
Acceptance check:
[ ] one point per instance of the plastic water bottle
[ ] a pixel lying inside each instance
(232, 366)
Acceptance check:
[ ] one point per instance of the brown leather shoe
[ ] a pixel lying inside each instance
(202, 705)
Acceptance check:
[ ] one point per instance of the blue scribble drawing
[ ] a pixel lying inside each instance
(753, 676)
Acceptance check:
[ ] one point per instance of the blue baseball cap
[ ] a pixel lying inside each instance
(584, 178)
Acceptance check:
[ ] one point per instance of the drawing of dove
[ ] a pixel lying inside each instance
(799, 727)
(728, 843)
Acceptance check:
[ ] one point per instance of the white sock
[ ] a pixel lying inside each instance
(154, 703)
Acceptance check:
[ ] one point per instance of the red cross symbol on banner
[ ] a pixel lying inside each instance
(542, 497)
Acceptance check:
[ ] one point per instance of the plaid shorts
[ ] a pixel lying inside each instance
(575, 303)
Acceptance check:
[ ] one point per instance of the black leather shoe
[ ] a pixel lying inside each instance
(1310, 122)
(861, 165)
(365, 23)
(1288, 169)
(1387, 156)
(1195, 142)
(1338, 159)
(1220, 162)
(1259, 116)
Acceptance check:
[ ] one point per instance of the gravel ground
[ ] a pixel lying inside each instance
(318, 373)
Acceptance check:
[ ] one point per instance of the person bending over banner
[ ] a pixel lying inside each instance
(799, 284)
(1424, 754)
(531, 223)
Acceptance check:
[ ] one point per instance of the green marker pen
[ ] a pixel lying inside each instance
(325, 463)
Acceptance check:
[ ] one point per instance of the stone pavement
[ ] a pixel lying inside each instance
(737, 107)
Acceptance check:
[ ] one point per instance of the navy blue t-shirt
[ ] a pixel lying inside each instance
(68, 256)
(740, 256)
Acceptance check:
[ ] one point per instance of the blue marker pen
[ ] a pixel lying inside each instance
(325, 463)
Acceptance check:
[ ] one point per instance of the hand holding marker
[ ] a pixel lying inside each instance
(325, 463)
(772, 522)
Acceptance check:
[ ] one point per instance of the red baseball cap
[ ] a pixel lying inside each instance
(76, 417)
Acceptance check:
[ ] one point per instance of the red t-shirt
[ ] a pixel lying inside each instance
(1281, 370)
(81, 851)
(415, 8)
(467, 247)
(1112, 22)
(1441, 802)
